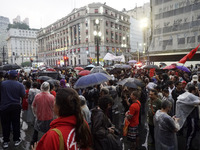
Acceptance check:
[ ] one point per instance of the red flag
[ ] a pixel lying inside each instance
(191, 54)
(184, 59)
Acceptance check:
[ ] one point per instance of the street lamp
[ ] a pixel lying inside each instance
(97, 35)
(144, 26)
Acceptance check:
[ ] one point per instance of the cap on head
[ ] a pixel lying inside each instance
(13, 73)
(195, 78)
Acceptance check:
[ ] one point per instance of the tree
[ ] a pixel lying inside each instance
(17, 25)
(26, 64)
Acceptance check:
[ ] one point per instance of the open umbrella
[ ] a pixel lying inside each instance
(44, 78)
(150, 67)
(89, 67)
(98, 69)
(183, 68)
(50, 69)
(10, 67)
(78, 68)
(170, 67)
(134, 80)
(53, 82)
(91, 80)
(131, 85)
(122, 66)
(132, 61)
(84, 72)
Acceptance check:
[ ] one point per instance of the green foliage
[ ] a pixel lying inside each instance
(17, 25)
(26, 64)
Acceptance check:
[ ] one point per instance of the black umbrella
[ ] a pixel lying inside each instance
(10, 67)
(151, 66)
(134, 80)
(98, 69)
(53, 82)
(44, 78)
(131, 85)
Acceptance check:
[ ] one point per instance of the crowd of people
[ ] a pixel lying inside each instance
(165, 103)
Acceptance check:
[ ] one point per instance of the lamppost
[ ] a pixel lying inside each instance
(97, 35)
(3, 56)
(144, 25)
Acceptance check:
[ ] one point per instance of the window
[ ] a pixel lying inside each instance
(106, 11)
(181, 41)
(106, 23)
(96, 11)
(191, 39)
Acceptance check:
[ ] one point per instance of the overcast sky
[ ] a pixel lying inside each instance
(41, 13)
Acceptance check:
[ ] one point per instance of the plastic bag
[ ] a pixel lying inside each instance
(125, 128)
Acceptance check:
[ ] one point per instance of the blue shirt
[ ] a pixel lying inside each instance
(11, 92)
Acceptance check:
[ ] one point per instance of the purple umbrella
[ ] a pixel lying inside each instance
(183, 68)
(132, 61)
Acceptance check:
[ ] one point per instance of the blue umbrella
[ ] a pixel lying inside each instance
(91, 80)
(183, 68)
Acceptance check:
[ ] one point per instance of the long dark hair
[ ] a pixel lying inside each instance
(68, 102)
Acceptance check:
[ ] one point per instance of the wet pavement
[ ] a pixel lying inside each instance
(26, 135)
(118, 116)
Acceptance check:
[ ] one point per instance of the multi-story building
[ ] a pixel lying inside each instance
(72, 36)
(18, 20)
(139, 29)
(22, 45)
(175, 27)
(3, 35)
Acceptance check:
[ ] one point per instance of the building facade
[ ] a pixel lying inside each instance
(72, 36)
(140, 30)
(21, 45)
(175, 29)
(4, 21)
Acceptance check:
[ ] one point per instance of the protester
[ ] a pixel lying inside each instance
(25, 108)
(70, 125)
(176, 92)
(43, 110)
(133, 118)
(194, 82)
(11, 92)
(31, 95)
(187, 110)
(165, 128)
(102, 129)
(153, 106)
(169, 98)
(85, 110)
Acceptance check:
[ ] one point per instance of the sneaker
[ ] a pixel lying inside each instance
(5, 145)
(18, 142)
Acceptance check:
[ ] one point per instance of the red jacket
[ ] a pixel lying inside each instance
(50, 140)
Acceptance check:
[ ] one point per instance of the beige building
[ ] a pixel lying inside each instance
(175, 27)
(72, 36)
(21, 45)
(4, 21)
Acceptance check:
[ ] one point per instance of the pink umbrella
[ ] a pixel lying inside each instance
(170, 67)
(78, 68)
(84, 72)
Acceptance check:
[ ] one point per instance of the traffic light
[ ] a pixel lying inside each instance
(65, 58)
(31, 59)
(58, 62)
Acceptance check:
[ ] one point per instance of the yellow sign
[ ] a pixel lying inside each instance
(61, 49)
